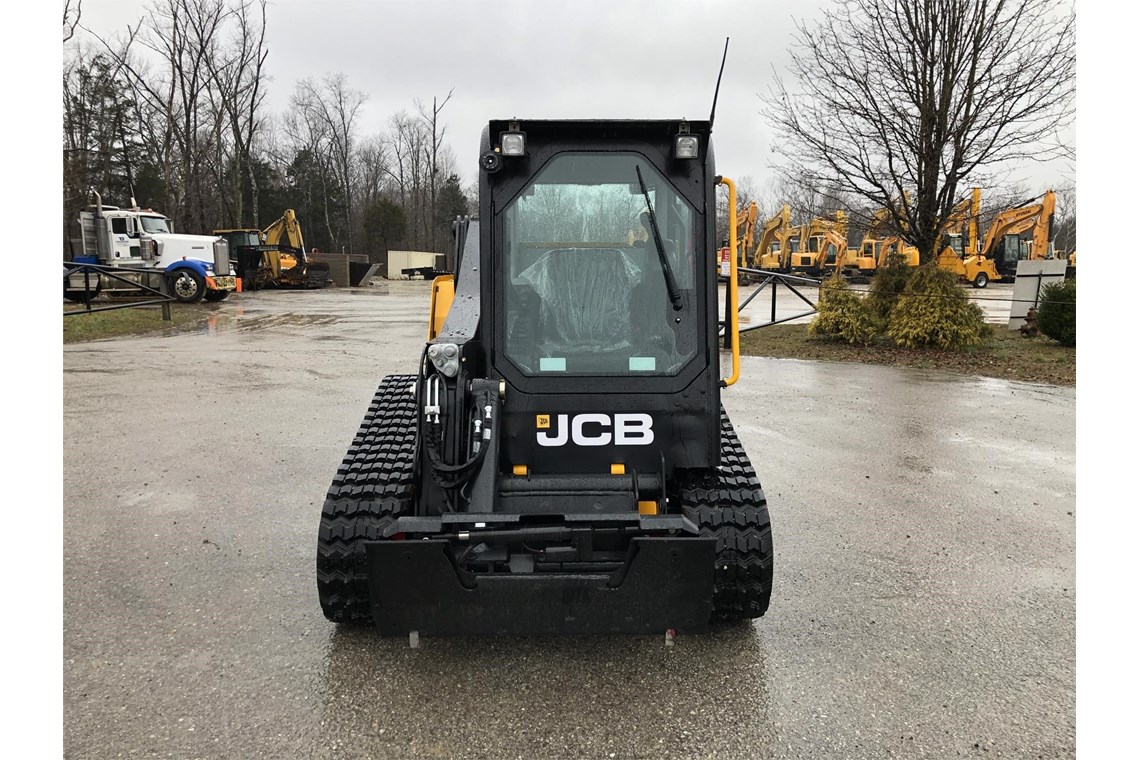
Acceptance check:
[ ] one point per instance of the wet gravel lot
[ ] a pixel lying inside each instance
(923, 602)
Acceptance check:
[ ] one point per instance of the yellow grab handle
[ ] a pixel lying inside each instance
(733, 325)
(442, 294)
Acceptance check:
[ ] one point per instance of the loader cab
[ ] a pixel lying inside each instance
(1008, 251)
(597, 293)
(956, 243)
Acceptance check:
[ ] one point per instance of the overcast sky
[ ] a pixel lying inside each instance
(542, 59)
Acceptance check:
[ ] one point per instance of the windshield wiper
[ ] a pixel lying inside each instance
(670, 280)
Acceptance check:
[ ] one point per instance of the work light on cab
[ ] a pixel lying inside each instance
(513, 143)
(685, 146)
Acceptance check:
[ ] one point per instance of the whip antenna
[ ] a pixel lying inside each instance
(712, 113)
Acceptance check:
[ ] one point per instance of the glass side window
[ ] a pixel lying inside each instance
(118, 225)
(584, 282)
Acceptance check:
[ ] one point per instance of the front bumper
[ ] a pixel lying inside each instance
(222, 282)
(665, 583)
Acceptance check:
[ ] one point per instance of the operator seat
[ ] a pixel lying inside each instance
(584, 299)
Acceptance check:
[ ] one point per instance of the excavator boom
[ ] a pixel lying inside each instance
(1035, 218)
(284, 262)
(775, 230)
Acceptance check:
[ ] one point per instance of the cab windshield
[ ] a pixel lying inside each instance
(243, 239)
(585, 286)
(154, 224)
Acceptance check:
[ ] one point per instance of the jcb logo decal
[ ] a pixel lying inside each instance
(596, 430)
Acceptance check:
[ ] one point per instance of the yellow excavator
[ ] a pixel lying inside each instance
(776, 241)
(287, 263)
(1004, 243)
(746, 233)
(864, 260)
(769, 236)
(877, 247)
(274, 257)
(959, 252)
(823, 246)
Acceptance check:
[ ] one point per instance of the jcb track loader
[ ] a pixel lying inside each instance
(561, 462)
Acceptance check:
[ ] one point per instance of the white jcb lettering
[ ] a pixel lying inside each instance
(559, 438)
(620, 429)
(633, 429)
(601, 439)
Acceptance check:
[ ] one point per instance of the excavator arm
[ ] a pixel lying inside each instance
(746, 232)
(287, 262)
(1043, 229)
(833, 240)
(781, 222)
(285, 233)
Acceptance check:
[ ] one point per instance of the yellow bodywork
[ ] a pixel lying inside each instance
(969, 265)
(879, 244)
(1036, 218)
(733, 325)
(745, 233)
(283, 233)
(776, 231)
(442, 296)
(789, 241)
(821, 237)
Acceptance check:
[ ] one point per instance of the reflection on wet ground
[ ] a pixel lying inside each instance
(923, 603)
(508, 697)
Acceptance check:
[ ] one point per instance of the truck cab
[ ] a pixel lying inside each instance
(193, 266)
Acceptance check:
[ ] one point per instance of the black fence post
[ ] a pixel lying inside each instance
(164, 288)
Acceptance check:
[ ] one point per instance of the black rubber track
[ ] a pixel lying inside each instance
(729, 505)
(373, 486)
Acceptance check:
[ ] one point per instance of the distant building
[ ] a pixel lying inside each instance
(393, 263)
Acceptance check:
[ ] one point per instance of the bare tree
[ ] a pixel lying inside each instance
(905, 104)
(309, 161)
(431, 119)
(180, 129)
(238, 80)
(97, 131)
(371, 170)
(71, 17)
(409, 143)
(334, 107)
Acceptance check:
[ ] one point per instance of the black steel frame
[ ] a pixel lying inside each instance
(71, 267)
(775, 279)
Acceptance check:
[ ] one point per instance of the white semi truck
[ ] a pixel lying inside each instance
(141, 240)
